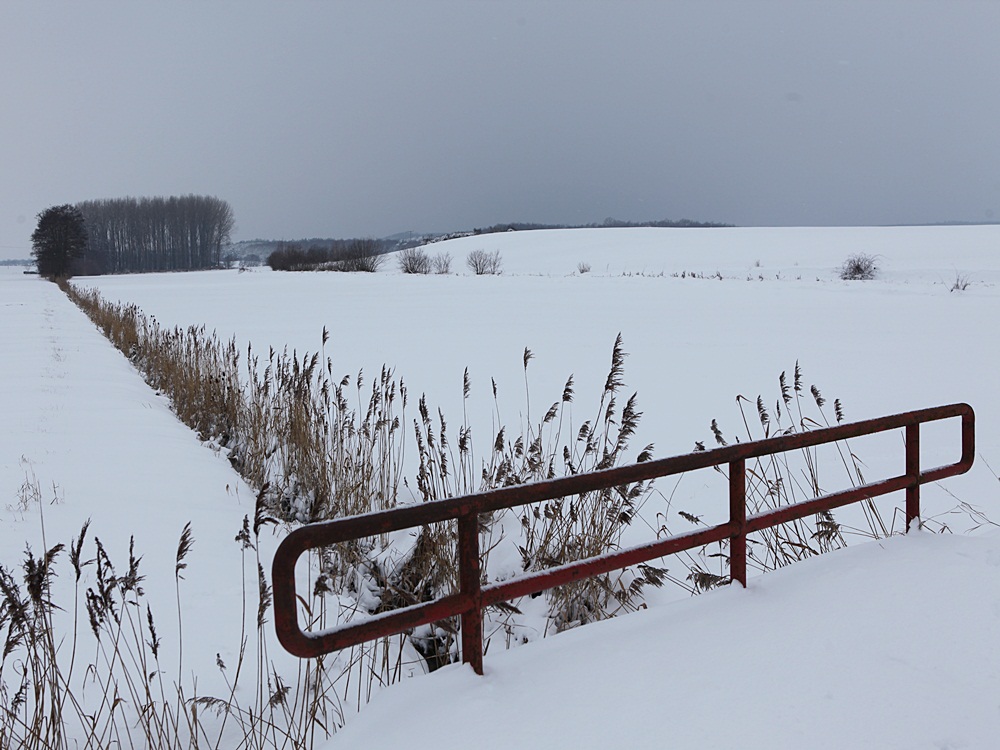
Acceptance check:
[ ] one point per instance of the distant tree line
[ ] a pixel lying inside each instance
(607, 223)
(331, 255)
(134, 235)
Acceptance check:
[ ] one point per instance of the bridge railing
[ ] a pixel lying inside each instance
(472, 596)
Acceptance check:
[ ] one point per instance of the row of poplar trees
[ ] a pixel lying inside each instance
(133, 235)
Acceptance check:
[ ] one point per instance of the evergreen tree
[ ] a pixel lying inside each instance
(59, 239)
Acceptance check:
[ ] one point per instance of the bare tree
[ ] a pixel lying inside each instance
(158, 234)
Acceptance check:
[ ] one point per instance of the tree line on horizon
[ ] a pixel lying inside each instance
(135, 235)
(130, 235)
(360, 254)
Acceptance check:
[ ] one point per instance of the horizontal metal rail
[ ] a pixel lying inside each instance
(472, 596)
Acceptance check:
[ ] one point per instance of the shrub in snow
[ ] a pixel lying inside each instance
(483, 263)
(859, 267)
(414, 260)
(359, 256)
(441, 263)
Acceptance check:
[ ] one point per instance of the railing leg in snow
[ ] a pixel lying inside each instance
(469, 585)
(913, 474)
(738, 521)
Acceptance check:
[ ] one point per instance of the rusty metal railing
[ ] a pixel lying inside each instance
(473, 596)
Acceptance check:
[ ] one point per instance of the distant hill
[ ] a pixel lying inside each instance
(609, 223)
(255, 252)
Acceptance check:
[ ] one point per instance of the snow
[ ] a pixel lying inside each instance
(80, 422)
(885, 644)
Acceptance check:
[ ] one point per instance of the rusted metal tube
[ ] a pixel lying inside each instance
(473, 597)
(913, 474)
(470, 585)
(532, 583)
(738, 521)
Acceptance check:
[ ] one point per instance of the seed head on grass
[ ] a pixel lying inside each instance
(718, 433)
(154, 639)
(95, 612)
(132, 579)
(243, 536)
(277, 698)
(107, 581)
(762, 414)
(704, 580)
(615, 378)
(76, 548)
(820, 401)
(261, 518)
(38, 575)
(15, 608)
(184, 546)
(264, 594)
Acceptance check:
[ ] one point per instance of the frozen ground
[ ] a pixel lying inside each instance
(881, 645)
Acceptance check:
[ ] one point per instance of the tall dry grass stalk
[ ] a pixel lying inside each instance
(321, 447)
(784, 479)
(573, 528)
(105, 683)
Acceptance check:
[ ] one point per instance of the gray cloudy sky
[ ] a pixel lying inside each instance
(370, 118)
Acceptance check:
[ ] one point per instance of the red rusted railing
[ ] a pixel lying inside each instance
(472, 596)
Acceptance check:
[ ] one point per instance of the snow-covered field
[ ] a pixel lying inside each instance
(901, 342)
(881, 645)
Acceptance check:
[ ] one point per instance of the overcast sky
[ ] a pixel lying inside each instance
(338, 119)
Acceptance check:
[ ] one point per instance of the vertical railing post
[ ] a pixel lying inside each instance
(968, 438)
(738, 521)
(913, 474)
(470, 583)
